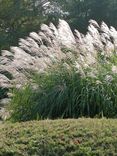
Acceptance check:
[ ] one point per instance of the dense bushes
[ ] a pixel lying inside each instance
(82, 137)
(64, 92)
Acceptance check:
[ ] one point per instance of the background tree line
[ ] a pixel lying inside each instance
(19, 17)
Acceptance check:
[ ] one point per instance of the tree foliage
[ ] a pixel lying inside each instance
(81, 11)
(18, 18)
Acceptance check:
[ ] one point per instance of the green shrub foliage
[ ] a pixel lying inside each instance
(81, 137)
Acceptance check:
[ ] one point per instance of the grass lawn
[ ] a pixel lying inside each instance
(70, 137)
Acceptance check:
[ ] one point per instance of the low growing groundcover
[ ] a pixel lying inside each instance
(69, 137)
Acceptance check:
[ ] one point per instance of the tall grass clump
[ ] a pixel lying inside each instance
(64, 92)
(22, 102)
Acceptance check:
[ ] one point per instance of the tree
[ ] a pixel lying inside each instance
(81, 11)
(17, 19)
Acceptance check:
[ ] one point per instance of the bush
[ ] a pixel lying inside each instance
(82, 137)
(62, 92)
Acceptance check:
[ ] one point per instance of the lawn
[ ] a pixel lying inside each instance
(70, 137)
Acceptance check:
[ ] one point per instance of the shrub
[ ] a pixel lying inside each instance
(82, 137)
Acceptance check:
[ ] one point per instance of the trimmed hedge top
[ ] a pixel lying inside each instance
(82, 137)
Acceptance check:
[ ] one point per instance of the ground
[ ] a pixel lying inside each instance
(70, 137)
